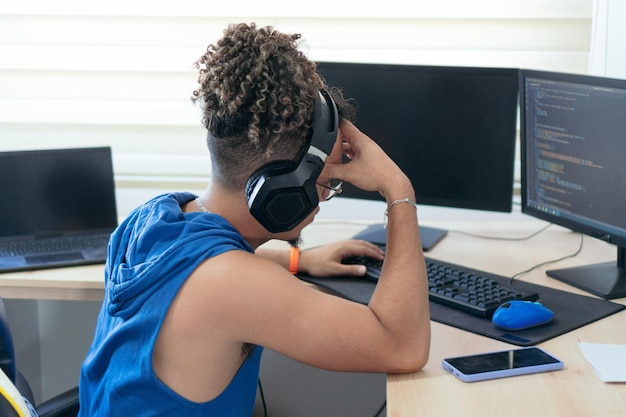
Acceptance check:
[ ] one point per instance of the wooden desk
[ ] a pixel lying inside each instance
(574, 391)
(75, 283)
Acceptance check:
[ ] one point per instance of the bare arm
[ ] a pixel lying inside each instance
(400, 300)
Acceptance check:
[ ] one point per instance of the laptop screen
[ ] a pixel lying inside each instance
(58, 191)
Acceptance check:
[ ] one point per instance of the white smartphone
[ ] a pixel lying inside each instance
(501, 364)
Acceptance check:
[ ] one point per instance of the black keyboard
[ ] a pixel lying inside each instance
(476, 292)
(51, 245)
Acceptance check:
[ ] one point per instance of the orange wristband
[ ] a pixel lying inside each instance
(294, 259)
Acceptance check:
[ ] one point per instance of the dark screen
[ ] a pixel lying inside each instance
(498, 361)
(575, 152)
(451, 129)
(573, 141)
(56, 191)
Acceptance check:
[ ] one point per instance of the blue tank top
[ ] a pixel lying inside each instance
(151, 254)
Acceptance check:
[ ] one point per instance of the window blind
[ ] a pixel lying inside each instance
(119, 73)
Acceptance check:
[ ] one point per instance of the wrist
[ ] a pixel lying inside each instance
(391, 204)
(294, 259)
(399, 190)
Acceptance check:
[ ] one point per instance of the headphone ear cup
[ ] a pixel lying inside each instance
(281, 194)
(270, 170)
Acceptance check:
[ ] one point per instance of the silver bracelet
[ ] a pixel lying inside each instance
(393, 203)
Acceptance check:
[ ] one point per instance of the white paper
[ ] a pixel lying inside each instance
(607, 360)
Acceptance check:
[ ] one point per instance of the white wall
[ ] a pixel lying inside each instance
(607, 57)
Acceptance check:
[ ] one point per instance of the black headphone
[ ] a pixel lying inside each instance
(282, 194)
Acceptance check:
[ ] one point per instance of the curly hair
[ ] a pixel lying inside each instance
(257, 92)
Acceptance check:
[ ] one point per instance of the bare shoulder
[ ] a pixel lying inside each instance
(235, 271)
(235, 283)
(253, 299)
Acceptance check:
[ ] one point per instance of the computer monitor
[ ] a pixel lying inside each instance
(452, 130)
(573, 146)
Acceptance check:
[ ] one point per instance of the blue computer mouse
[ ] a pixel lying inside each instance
(520, 315)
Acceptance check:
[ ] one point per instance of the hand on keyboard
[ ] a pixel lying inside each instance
(476, 292)
(372, 265)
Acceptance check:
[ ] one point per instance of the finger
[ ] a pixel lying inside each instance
(374, 251)
(332, 171)
(348, 131)
(351, 270)
(361, 247)
(347, 150)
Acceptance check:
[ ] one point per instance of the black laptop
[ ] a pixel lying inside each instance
(57, 207)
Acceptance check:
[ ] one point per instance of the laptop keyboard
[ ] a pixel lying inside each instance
(52, 245)
(476, 292)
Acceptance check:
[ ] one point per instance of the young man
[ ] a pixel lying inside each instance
(191, 300)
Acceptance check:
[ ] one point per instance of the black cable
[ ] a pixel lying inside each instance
(519, 274)
(460, 232)
(262, 398)
(580, 248)
(503, 238)
(380, 410)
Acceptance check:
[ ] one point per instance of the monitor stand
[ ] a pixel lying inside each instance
(377, 233)
(606, 280)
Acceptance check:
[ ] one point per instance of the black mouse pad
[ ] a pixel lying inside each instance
(571, 311)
